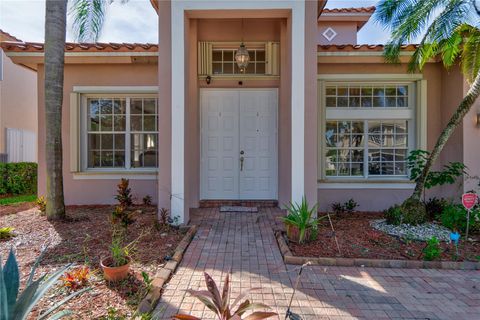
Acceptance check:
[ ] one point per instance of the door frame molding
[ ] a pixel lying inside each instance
(201, 107)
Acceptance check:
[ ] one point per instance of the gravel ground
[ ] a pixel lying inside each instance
(421, 232)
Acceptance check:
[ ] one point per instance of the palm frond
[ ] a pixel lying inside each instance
(88, 18)
(471, 54)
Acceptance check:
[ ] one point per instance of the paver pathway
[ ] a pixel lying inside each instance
(244, 244)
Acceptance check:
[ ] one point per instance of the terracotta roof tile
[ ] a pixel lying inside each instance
(8, 36)
(82, 47)
(361, 47)
(349, 10)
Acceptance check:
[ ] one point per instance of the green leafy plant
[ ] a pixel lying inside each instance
(6, 233)
(17, 306)
(119, 252)
(147, 200)
(432, 251)
(124, 194)
(41, 204)
(393, 215)
(416, 162)
(18, 178)
(337, 207)
(147, 281)
(454, 217)
(301, 216)
(350, 205)
(113, 314)
(221, 306)
(123, 216)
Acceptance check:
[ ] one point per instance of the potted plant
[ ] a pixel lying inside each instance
(117, 265)
(299, 221)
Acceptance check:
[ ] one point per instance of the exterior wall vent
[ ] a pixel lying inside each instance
(329, 34)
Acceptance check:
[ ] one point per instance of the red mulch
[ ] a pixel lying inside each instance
(357, 239)
(14, 208)
(83, 239)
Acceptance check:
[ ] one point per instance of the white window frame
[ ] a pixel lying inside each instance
(84, 132)
(415, 114)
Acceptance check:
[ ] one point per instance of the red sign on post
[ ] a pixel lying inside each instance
(469, 200)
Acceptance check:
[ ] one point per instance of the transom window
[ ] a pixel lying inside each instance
(366, 96)
(121, 132)
(223, 61)
(368, 130)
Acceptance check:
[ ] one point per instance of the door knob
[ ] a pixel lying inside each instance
(242, 152)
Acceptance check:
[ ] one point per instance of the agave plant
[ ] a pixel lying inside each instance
(302, 217)
(17, 307)
(220, 303)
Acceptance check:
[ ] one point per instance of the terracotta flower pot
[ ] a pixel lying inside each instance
(293, 233)
(114, 273)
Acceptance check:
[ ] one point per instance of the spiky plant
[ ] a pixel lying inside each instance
(220, 303)
(301, 216)
(17, 307)
(451, 31)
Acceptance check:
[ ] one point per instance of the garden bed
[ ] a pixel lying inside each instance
(359, 240)
(84, 239)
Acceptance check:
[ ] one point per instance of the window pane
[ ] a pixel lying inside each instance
(119, 123)
(119, 106)
(217, 68)
(354, 102)
(331, 102)
(94, 142)
(119, 159)
(106, 123)
(94, 159)
(331, 91)
(260, 55)
(136, 106)
(402, 90)
(149, 123)
(228, 55)
(390, 102)
(228, 68)
(149, 106)
(119, 140)
(260, 68)
(217, 55)
(107, 159)
(106, 106)
(136, 123)
(94, 123)
(107, 142)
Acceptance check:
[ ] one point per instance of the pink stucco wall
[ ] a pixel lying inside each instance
(18, 99)
(346, 32)
(92, 191)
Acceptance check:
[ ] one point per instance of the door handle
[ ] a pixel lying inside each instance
(241, 163)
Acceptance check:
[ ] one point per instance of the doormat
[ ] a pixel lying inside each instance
(238, 209)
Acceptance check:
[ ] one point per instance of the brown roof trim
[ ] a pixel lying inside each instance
(369, 10)
(9, 37)
(361, 47)
(81, 47)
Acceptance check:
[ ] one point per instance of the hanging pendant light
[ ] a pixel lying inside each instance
(242, 57)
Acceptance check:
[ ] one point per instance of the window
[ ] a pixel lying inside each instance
(223, 61)
(121, 132)
(368, 130)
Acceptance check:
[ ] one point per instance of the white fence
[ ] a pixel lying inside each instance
(21, 145)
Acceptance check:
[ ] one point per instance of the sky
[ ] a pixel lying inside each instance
(134, 21)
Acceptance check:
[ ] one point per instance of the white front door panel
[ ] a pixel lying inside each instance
(236, 125)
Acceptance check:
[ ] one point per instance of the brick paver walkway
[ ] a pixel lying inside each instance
(244, 243)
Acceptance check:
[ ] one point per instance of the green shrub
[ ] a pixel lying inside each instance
(413, 212)
(18, 178)
(410, 212)
(393, 215)
(454, 217)
(432, 251)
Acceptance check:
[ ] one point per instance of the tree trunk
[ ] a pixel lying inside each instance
(55, 29)
(465, 106)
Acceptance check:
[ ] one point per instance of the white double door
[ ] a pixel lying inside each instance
(238, 144)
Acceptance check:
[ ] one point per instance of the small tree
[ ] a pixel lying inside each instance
(454, 35)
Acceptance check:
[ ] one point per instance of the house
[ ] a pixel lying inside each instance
(313, 113)
(18, 109)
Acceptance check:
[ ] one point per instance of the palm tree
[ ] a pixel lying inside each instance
(451, 31)
(55, 25)
(88, 18)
